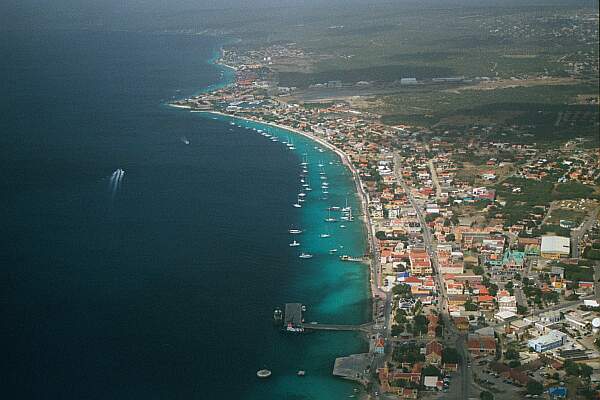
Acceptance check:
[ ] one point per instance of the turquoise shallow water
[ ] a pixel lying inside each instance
(334, 291)
(164, 290)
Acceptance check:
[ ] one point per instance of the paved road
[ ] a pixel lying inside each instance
(434, 178)
(461, 385)
(577, 234)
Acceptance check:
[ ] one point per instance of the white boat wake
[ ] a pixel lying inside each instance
(115, 181)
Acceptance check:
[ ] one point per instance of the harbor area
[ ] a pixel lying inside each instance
(356, 367)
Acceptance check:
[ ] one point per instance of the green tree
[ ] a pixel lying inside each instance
(431, 370)
(585, 371)
(485, 395)
(478, 270)
(470, 306)
(571, 368)
(514, 363)
(521, 309)
(534, 387)
(397, 329)
(511, 354)
(450, 355)
(517, 276)
(402, 290)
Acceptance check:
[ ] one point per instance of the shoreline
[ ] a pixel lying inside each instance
(375, 291)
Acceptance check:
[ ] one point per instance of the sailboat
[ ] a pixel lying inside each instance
(294, 244)
(325, 235)
(297, 203)
(304, 160)
(330, 218)
(346, 208)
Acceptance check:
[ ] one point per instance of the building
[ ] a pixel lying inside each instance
(420, 264)
(481, 345)
(433, 352)
(506, 302)
(555, 247)
(547, 342)
(379, 344)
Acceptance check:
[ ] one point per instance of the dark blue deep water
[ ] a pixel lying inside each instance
(164, 290)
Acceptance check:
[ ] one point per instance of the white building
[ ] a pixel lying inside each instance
(547, 342)
(555, 247)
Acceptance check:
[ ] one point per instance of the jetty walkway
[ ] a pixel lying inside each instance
(367, 327)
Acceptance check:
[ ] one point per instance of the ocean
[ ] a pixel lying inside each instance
(161, 283)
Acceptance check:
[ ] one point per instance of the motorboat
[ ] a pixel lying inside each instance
(263, 373)
(305, 255)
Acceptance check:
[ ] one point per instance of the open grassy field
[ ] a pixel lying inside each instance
(538, 58)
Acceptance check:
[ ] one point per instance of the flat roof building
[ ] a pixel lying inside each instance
(547, 342)
(554, 247)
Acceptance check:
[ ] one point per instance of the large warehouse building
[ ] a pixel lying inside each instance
(555, 247)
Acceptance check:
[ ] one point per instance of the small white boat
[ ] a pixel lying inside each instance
(308, 189)
(343, 226)
(297, 205)
(263, 373)
(301, 373)
(332, 251)
(301, 194)
(305, 255)
(294, 244)
(295, 231)
(324, 235)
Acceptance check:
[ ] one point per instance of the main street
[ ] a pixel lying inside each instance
(459, 387)
(577, 233)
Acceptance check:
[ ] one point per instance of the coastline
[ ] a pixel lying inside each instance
(375, 291)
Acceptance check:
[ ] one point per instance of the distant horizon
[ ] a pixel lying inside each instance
(112, 14)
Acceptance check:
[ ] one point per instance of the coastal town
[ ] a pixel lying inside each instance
(483, 250)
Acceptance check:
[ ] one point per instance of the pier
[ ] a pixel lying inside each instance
(293, 321)
(339, 327)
